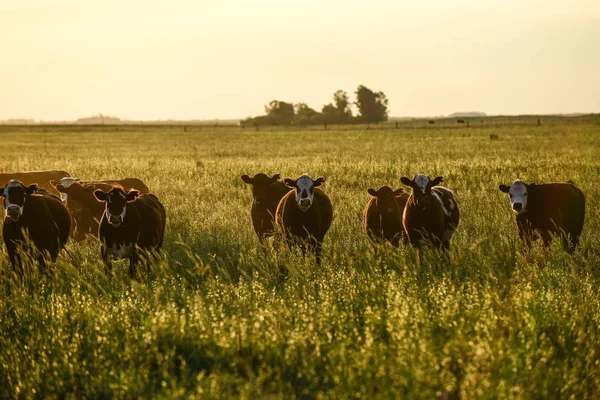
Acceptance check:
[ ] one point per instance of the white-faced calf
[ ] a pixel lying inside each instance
(132, 226)
(40, 217)
(431, 212)
(305, 214)
(547, 210)
(267, 192)
(382, 217)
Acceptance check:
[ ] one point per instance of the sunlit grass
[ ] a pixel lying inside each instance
(489, 320)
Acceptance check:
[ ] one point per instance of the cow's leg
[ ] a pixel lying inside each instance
(106, 260)
(133, 261)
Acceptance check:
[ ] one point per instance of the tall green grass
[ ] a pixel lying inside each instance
(489, 320)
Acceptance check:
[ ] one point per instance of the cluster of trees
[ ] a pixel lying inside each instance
(371, 106)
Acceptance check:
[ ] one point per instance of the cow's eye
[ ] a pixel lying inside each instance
(510, 196)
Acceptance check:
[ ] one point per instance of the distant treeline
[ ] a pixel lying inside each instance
(371, 106)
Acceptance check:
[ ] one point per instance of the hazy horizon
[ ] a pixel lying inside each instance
(226, 59)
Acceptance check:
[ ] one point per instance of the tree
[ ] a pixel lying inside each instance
(372, 107)
(306, 115)
(342, 104)
(279, 112)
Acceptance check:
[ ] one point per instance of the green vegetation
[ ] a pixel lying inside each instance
(491, 320)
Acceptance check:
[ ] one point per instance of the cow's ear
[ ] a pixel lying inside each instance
(437, 180)
(60, 188)
(504, 188)
(320, 180)
(407, 181)
(398, 192)
(372, 192)
(55, 183)
(530, 185)
(100, 195)
(132, 195)
(247, 179)
(275, 178)
(31, 188)
(289, 182)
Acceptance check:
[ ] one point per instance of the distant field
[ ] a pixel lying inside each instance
(216, 321)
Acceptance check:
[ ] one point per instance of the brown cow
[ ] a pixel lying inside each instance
(383, 215)
(85, 210)
(132, 226)
(305, 214)
(431, 213)
(547, 210)
(41, 178)
(39, 217)
(266, 193)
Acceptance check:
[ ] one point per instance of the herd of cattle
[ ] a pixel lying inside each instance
(44, 208)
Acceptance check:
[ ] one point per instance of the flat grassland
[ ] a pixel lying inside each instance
(490, 320)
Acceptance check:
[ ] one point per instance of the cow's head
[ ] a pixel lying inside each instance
(260, 186)
(116, 203)
(64, 183)
(421, 185)
(518, 193)
(305, 189)
(385, 197)
(15, 194)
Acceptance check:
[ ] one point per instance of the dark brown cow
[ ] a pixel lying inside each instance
(266, 193)
(132, 226)
(547, 210)
(42, 179)
(305, 214)
(38, 216)
(431, 213)
(85, 210)
(383, 215)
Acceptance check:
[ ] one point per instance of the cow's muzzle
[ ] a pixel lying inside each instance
(115, 220)
(517, 207)
(13, 212)
(304, 204)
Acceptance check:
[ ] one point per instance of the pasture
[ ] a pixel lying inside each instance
(217, 320)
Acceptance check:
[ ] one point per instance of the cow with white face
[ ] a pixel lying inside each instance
(547, 210)
(305, 214)
(132, 226)
(431, 212)
(35, 216)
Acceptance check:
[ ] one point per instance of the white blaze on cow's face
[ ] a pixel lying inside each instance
(66, 182)
(518, 196)
(422, 181)
(304, 192)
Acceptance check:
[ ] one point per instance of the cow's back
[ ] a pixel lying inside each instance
(42, 178)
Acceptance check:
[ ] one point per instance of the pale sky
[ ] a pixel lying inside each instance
(205, 59)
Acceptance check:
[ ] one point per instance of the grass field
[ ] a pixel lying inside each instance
(216, 321)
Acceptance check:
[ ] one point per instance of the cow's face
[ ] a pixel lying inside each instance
(305, 190)
(64, 183)
(421, 185)
(385, 197)
(75, 195)
(116, 203)
(518, 193)
(15, 194)
(260, 186)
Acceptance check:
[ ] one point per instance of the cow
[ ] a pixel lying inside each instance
(431, 212)
(546, 210)
(382, 217)
(132, 226)
(41, 178)
(33, 216)
(266, 194)
(80, 200)
(304, 215)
